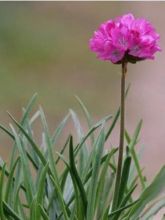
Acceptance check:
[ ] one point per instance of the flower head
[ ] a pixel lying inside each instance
(125, 38)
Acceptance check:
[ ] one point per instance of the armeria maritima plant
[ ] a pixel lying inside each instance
(92, 184)
(122, 40)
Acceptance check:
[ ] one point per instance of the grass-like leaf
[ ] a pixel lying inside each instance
(153, 209)
(1, 192)
(10, 181)
(83, 150)
(59, 129)
(76, 176)
(27, 174)
(94, 178)
(150, 193)
(101, 197)
(121, 209)
(10, 212)
(134, 154)
(124, 178)
(87, 115)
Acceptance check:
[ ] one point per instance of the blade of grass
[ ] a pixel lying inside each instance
(43, 213)
(12, 136)
(121, 209)
(28, 108)
(153, 209)
(100, 202)
(133, 153)
(10, 180)
(76, 176)
(83, 151)
(38, 197)
(95, 173)
(124, 201)
(97, 125)
(35, 147)
(59, 129)
(78, 209)
(10, 212)
(150, 193)
(63, 205)
(41, 184)
(124, 178)
(63, 149)
(49, 145)
(23, 121)
(27, 175)
(2, 174)
(87, 116)
(113, 151)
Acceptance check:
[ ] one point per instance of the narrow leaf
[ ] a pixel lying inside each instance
(76, 176)
(150, 193)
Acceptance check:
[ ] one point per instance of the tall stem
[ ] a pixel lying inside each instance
(121, 143)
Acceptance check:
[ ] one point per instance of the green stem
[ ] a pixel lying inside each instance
(121, 143)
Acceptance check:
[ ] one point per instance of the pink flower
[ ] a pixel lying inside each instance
(125, 38)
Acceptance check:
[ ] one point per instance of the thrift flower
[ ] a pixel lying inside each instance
(125, 38)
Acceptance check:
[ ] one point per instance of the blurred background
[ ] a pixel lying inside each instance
(44, 49)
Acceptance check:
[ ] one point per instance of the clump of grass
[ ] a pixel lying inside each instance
(32, 187)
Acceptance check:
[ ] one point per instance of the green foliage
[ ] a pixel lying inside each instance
(35, 186)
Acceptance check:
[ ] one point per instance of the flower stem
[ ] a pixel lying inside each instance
(121, 143)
